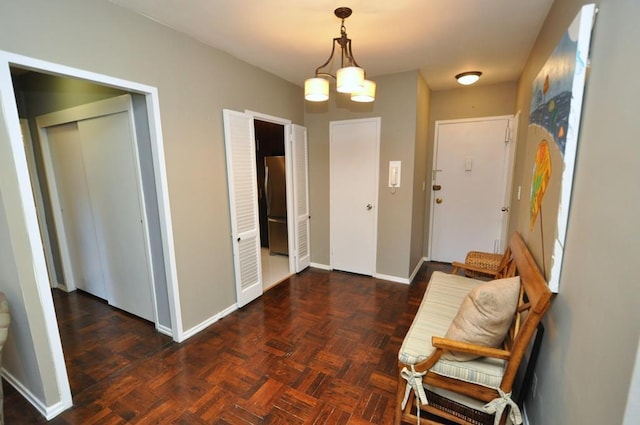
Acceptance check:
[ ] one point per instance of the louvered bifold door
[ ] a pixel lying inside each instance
(243, 204)
(301, 196)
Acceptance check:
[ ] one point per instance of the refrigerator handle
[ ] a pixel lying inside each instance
(267, 192)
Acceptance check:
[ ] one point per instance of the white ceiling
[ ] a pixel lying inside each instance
(290, 38)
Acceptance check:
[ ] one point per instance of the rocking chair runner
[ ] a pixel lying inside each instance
(453, 390)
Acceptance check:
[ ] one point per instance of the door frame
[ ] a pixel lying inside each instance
(507, 173)
(37, 193)
(289, 177)
(33, 265)
(378, 122)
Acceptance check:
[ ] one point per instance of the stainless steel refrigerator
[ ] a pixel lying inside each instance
(275, 188)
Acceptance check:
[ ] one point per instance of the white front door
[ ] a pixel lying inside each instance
(470, 175)
(354, 167)
(243, 204)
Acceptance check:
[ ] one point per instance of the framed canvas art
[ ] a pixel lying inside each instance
(554, 121)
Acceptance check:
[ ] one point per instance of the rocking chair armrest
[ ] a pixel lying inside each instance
(456, 266)
(465, 347)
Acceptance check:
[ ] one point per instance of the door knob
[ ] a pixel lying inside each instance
(438, 200)
(369, 206)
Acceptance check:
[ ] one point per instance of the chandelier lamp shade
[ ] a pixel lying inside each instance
(316, 89)
(350, 77)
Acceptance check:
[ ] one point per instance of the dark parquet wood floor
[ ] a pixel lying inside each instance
(320, 348)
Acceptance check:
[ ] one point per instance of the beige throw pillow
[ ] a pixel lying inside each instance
(485, 315)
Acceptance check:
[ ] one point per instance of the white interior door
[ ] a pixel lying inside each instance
(96, 196)
(300, 196)
(354, 166)
(469, 183)
(243, 204)
(111, 171)
(74, 217)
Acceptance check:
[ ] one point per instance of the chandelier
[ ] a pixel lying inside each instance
(350, 77)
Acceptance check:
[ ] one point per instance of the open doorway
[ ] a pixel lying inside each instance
(242, 174)
(83, 210)
(22, 205)
(272, 201)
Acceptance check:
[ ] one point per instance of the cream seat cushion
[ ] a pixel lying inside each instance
(439, 306)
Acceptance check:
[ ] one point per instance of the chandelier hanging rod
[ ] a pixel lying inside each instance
(345, 45)
(350, 77)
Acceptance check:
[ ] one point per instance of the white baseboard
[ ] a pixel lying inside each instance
(60, 286)
(392, 278)
(49, 412)
(415, 271)
(320, 266)
(208, 322)
(376, 275)
(164, 330)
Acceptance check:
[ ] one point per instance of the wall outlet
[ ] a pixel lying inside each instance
(534, 386)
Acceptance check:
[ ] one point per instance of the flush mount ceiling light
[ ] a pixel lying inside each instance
(350, 77)
(469, 77)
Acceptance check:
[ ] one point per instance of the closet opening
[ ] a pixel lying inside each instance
(33, 88)
(89, 157)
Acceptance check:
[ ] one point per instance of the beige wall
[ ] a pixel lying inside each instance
(421, 179)
(591, 337)
(396, 101)
(459, 103)
(195, 82)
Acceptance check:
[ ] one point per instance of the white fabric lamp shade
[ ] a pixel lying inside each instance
(316, 89)
(367, 94)
(349, 79)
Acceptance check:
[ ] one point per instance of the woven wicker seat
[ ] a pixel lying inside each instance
(486, 265)
(485, 260)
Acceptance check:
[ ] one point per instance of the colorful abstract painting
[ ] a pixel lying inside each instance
(541, 176)
(554, 119)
